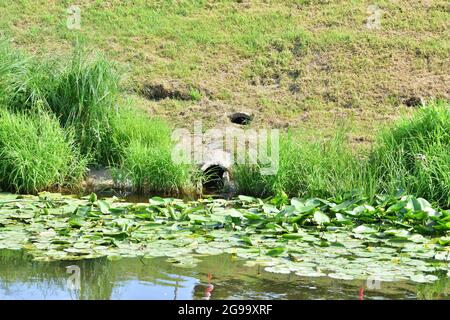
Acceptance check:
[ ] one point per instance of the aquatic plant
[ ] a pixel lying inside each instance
(353, 239)
(151, 169)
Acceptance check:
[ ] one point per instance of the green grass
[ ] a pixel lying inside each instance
(311, 61)
(37, 154)
(151, 170)
(414, 156)
(82, 93)
(131, 124)
(306, 169)
(83, 96)
(80, 90)
(145, 149)
(298, 64)
(23, 81)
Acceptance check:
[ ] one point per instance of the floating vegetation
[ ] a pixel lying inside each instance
(394, 239)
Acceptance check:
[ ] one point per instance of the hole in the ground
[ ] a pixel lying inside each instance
(413, 101)
(240, 118)
(159, 92)
(214, 178)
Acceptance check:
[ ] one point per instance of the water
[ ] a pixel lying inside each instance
(216, 277)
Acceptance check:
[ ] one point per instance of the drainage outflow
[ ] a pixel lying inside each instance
(216, 170)
(241, 118)
(216, 177)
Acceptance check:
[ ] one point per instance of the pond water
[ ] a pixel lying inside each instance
(215, 277)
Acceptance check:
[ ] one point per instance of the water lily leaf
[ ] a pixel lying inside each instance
(252, 216)
(269, 208)
(444, 241)
(341, 218)
(360, 209)
(421, 278)
(209, 251)
(246, 198)
(275, 226)
(246, 240)
(297, 203)
(399, 233)
(443, 256)
(233, 213)
(310, 273)
(275, 251)
(320, 217)
(342, 206)
(198, 218)
(157, 201)
(76, 222)
(278, 269)
(92, 198)
(340, 276)
(292, 236)
(418, 204)
(103, 206)
(184, 262)
(119, 235)
(82, 211)
(364, 229)
(218, 218)
(305, 209)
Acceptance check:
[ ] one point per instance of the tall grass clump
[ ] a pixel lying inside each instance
(36, 153)
(23, 81)
(81, 91)
(132, 124)
(306, 169)
(146, 154)
(151, 169)
(414, 156)
(82, 94)
(83, 97)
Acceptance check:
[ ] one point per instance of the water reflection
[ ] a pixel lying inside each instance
(216, 277)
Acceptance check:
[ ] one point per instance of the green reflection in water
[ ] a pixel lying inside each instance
(224, 277)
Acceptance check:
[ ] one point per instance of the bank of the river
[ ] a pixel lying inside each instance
(59, 117)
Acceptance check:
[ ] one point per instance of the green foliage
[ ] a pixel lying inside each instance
(23, 81)
(321, 169)
(414, 156)
(132, 124)
(411, 157)
(151, 169)
(84, 96)
(36, 154)
(145, 147)
(388, 238)
(195, 94)
(81, 92)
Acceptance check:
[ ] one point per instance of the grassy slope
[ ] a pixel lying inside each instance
(307, 62)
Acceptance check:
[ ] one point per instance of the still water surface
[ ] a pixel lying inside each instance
(216, 277)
